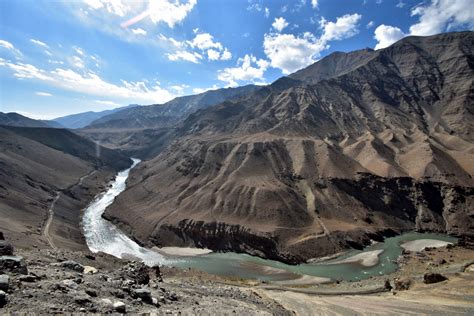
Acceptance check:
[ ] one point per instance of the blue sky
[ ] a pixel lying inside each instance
(59, 58)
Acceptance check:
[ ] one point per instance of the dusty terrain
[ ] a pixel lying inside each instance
(47, 176)
(61, 281)
(354, 147)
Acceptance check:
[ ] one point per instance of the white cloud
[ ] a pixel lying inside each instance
(290, 53)
(267, 12)
(344, 27)
(400, 4)
(116, 7)
(90, 83)
(172, 41)
(204, 41)
(184, 55)
(441, 15)
(386, 35)
(139, 31)
(170, 12)
(314, 4)
(44, 94)
(370, 24)
(77, 62)
(9, 46)
(250, 69)
(279, 24)
(179, 89)
(79, 50)
(226, 55)
(201, 90)
(38, 42)
(213, 54)
(107, 102)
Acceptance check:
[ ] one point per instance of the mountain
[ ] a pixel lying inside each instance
(168, 114)
(37, 164)
(15, 119)
(81, 120)
(355, 147)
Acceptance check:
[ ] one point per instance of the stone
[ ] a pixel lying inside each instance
(1, 236)
(143, 294)
(90, 270)
(70, 284)
(14, 264)
(28, 278)
(387, 285)
(3, 298)
(402, 284)
(439, 261)
(91, 292)
(138, 272)
(106, 301)
(72, 265)
(90, 257)
(4, 282)
(6, 249)
(82, 299)
(429, 278)
(120, 307)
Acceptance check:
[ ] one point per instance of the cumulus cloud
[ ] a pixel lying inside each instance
(386, 35)
(203, 44)
(279, 24)
(139, 31)
(290, 53)
(249, 68)
(90, 83)
(267, 12)
(441, 15)
(185, 55)
(314, 4)
(344, 27)
(43, 94)
(370, 24)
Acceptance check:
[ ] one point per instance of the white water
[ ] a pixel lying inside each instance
(103, 236)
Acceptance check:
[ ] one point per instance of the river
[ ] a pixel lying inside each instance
(103, 236)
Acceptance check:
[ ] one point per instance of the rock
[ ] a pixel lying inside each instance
(70, 284)
(143, 294)
(469, 268)
(106, 301)
(72, 265)
(3, 298)
(1, 236)
(120, 307)
(138, 272)
(439, 261)
(14, 264)
(82, 299)
(91, 292)
(387, 285)
(90, 270)
(6, 249)
(90, 257)
(4, 282)
(28, 278)
(402, 284)
(429, 278)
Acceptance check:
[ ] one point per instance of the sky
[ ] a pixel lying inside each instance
(64, 57)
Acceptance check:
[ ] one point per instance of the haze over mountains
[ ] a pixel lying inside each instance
(287, 171)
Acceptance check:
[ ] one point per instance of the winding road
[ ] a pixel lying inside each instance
(45, 231)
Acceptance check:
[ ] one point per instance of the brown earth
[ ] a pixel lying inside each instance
(352, 148)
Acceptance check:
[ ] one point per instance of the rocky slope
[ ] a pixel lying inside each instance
(43, 169)
(15, 119)
(356, 146)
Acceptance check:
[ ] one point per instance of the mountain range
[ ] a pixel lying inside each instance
(356, 146)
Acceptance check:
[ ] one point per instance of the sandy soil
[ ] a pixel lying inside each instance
(182, 251)
(420, 244)
(366, 259)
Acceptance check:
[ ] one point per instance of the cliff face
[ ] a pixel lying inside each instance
(351, 148)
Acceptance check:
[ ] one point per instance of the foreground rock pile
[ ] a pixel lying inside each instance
(46, 281)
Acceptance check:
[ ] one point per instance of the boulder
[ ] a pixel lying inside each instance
(137, 272)
(3, 298)
(4, 282)
(6, 249)
(72, 265)
(429, 278)
(143, 294)
(70, 284)
(402, 284)
(82, 299)
(120, 307)
(91, 292)
(28, 278)
(90, 270)
(13, 264)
